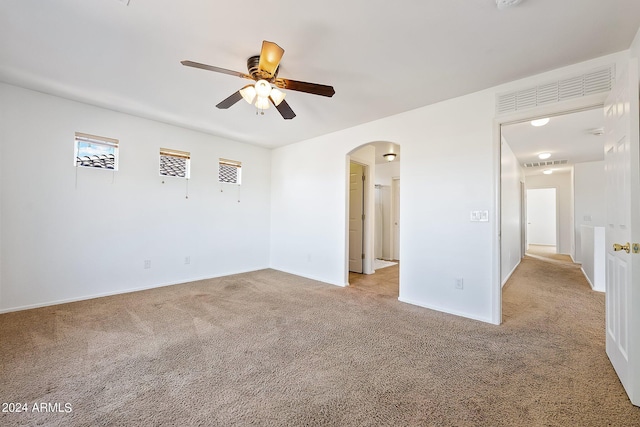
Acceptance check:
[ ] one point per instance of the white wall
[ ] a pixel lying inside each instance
(511, 177)
(564, 205)
(589, 199)
(71, 233)
(541, 216)
(593, 249)
(450, 166)
(438, 242)
(634, 50)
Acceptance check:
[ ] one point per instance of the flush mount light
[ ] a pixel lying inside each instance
(543, 156)
(503, 4)
(390, 157)
(547, 172)
(539, 122)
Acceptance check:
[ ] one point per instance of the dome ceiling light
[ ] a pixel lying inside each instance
(540, 122)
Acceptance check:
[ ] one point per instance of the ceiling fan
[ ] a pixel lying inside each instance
(263, 69)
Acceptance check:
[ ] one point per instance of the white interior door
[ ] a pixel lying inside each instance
(622, 228)
(356, 217)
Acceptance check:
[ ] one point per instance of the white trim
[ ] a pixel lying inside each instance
(442, 310)
(559, 108)
(506, 279)
(593, 288)
(310, 277)
(123, 291)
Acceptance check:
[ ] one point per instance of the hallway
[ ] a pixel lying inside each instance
(384, 282)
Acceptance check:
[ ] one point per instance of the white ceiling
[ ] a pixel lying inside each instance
(382, 57)
(567, 137)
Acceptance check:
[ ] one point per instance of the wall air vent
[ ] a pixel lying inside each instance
(598, 81)
(545, 163)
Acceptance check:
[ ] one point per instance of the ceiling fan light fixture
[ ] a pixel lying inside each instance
(263, 88)
(262, 103)
(263, 71)
(277, 96)
(390, 157)
(248, 93)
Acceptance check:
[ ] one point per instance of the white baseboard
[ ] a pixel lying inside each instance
(118, 292)
(510, 273)
(593, 288)
(308, 276)
(442, 310)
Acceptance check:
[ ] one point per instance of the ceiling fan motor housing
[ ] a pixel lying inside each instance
(256, 72)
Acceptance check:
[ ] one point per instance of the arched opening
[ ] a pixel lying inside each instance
(373, 217)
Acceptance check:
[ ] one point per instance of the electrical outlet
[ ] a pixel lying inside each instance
(187, 260)
(459, 283)
(147, 263)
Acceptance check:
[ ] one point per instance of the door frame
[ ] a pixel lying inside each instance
(395, 199)
(524, 243)
(369, 208)
(551, 110)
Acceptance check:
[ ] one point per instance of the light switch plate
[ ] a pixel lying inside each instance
(479, 216)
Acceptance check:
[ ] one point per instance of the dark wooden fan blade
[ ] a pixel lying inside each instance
(284, 109)
(313, 88)
(230, 101)
(216, 69)
(270, 57)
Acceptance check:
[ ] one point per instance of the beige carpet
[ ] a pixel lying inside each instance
(547, 252)
(267, 348)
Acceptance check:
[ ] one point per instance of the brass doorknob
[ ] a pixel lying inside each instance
(619, 247)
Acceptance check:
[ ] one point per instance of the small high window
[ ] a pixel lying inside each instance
(96, 152)
(229, 171)
(174, 163)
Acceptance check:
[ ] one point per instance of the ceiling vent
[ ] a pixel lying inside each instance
(545, 163)
(597, 81)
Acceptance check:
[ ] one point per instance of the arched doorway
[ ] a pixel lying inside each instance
(373, 220)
